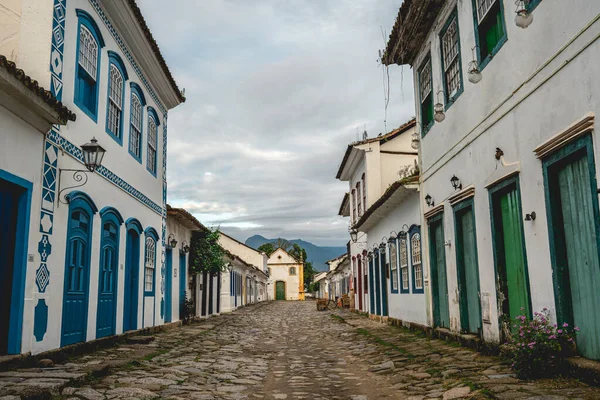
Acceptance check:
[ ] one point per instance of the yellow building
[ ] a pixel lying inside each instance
(286, 276)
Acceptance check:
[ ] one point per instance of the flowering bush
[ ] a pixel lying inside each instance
(538, 348)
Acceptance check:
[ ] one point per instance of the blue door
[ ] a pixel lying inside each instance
(107, 280)
(182, 281)
(371, 285)
(384, 297)
(132, 272)
(168, 286)
(15, 203)
(77, 269)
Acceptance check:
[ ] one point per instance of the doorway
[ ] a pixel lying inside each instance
(512, 283)
(280, 290)
(168, 286)
(15, 205)
(467, 267)
(439, 280)
(573, 221)
(132, 268)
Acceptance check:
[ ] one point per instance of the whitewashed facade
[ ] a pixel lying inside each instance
(245, 281)
(94, 247)
(522, 142)
(286, 276)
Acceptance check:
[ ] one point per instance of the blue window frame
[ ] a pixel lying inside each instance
(87, 67)
(403, 263)
(490, 29)
(136, 118)
(426, 96)
(150, 261)
(532, 4)
(415, 259)
(451, 60)
(117, 76)
(152, 151)
(394, 265)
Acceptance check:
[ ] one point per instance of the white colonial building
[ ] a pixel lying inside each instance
(508, 149)
(96, 249)
(286, 276)
(245, 281)
(388, 278)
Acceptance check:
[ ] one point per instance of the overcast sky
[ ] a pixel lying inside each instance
(275, 89)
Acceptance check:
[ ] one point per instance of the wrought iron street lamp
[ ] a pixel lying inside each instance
(429, 200)
(185, 247)
(456, 184)
(172, 241)
(353, 235)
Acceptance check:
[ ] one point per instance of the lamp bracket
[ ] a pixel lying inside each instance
(79, 176)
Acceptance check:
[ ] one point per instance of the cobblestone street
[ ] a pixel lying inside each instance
(286, 350)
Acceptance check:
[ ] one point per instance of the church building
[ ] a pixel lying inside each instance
(286, 276)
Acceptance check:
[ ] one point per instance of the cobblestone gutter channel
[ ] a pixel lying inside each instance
(283, 350)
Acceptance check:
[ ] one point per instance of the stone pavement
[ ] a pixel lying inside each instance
(284, 350)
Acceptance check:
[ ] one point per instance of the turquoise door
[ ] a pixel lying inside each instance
(182, 281)
(371, 286)
(573, 221)
(439, 281)
(384, 296)
(467, 267)
(168, 286)
(107, 280)
(132, 271)
(77, 270)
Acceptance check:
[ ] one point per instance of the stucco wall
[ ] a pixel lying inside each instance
(181, 234)
(246, 253)
(552, 94)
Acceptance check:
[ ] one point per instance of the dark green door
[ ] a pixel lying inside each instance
(279, 290)
(439, 281)
(509, 251)
(573, 215)
(466, 263)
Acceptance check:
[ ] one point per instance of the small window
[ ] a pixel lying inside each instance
(359, 199)
(149, 265)
(490, 29)
(416, 263)
(115, 102)
(152, 140)
(364, 192)
(394, 266)
(354, 205)
(88, 65)
(451, 62)
(292, 270)
(426, 96)
(403, 264)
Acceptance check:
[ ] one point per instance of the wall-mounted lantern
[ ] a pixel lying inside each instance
(456, 184)
(171, 241)
(185, 247)
(429, 200)
(530, 217)
(523, 18)
(93, 154)
(353, 235)
(475, 75)
(438, 109)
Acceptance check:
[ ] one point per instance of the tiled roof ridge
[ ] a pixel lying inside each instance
(187, 215)
(155, 48)
(63, 112)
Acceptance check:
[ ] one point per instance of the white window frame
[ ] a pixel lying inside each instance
(149, 265)
(415, 244)
(394, 265)
(88, 52)
(403, 256)
(115, 100)
(136, 105)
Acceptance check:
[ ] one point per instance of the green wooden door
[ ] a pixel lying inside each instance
(575, 246)
(468, 274)
(509, 251)
(280, 290)
(439, 282)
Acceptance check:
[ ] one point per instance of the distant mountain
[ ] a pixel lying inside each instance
(318, 255)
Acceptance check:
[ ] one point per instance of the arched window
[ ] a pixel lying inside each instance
(88, 65)
(292, 270)
(150, 261)
(152, 140)
(138, 102)
(403, 251)
(417, 265)
(117, 75)
(394, 266)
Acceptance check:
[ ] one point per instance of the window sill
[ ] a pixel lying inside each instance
(493, 54)
(151, 172)
(426, 129)
(149, 294)
(115, 137)
(93, 116)
(138, 159)
(452, 100)
(418, 291)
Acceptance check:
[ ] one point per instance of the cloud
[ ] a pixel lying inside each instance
(275, 91)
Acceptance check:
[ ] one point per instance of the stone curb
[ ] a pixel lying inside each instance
(586, 370)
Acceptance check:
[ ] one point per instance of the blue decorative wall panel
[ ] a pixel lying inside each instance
(40, 320)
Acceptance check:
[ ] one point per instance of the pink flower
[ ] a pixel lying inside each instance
(565, 325)
(576, 329)
(559, 331)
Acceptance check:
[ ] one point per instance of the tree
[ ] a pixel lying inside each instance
(309, 271)
(206, 255)
(284, 244)
(267, 248)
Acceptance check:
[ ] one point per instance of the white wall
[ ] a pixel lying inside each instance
(181, 234)
(464, 144)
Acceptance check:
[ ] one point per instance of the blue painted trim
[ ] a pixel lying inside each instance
(79, 195)
(137, 91)
(533, 4)
(450, 100)
(152, 115)
(15, 330)
(108, 210)
(425, 129)
(414, 230)
(40, 320)
(150, 232)
(87, 20)
(152, 112)
(133, 223)
(392, 290)
(407, 247)
(115, 59)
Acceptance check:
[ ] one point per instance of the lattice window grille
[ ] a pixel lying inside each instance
(88, 52)
(451, 59)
